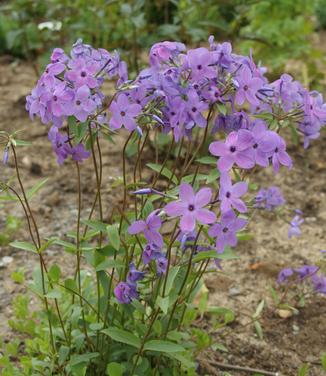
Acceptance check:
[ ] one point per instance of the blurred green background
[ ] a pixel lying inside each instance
(281, 33)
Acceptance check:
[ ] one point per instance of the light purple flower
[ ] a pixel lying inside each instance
(295, 224)
(229, 194)
(248, 87)
(280, 156)
(59, 144)
(151, 252)
(225, 232)
(83, 105)
(269, 199)
(164, 51)
(134, 275)
(191, 207)
(265, 142)
(150, 227)
(200, 61)
(82, 73)
(284, 275)
(306, 271)
(6, 155)
(79, 153)
(124, 113)
(161, 265)
(319, 283)
(125, 292)
(237, 149)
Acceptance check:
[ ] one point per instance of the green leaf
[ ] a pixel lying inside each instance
(163, 346)
(122, 336)
(259, 329)
(31, 192)
(84, 358)
(24, 245)
(115, 369)
(226, 255)
(163, 303)
(171, 277)
(207, 160)
(259, 309)
(109, 264)
(22, 143)
(114, 237)
(96, 225)
(54, 273)
(323, 360)
(165, 172)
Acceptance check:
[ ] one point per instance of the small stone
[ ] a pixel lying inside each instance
(5, 261)
(284, 313)
(233, 291)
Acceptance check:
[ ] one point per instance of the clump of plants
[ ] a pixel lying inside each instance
(128, 305)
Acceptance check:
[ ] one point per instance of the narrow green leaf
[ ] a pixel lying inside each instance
(24, 245)
(122, 336)
(228, 254)
(163, 303)
(165, 172)
(84, 358)
(171, 277)
(207, 160)
(163, 346)
(114, 237)
(96, 225)
(115, 369)
(31, 192)
(109, 264)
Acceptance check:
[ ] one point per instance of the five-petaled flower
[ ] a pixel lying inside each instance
(191, 207)
(150, 227)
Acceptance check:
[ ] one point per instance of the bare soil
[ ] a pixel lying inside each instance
(287, 342)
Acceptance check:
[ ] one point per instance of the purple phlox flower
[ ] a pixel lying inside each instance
(52, 70)
(164, 51)
(79, 153)
(83, 104)
(59, 144)
(306, 271)
(248, 87)
(151, 252)
(161, 265)
(58, 56)
(122, 73)
(125, 292)
(225, 232)
(280, 156)
(82, 73)
(195, 107)
(124, 113)
(319, 283)
(284, 275)
(295, 224)
(265, 142)
(229, 194)
(310, 130)
(200, 62)
(269, 198)
(191, 207)
(134, 275)
(314, 106)
(59, 101)
(232, 122)
(286, 91)
(139, 96)
(222, 54)
(150, 227)
(237, 149)
(6, 155)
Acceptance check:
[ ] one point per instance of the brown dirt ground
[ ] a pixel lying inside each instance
(287, 343)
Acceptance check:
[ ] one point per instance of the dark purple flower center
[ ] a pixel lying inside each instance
(255, 146)
(122, 113)
(172, 113)
(191, 208)
(228, 194)
(225, 229)
(78, 102)
(194, 109)
(83, 74)
(55, 98)
(199, 67)
(311, 107)
(245, 88)
(232, 149)
(276, 150)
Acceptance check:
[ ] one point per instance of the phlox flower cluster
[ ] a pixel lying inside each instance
(305, 274)
(180, 92)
